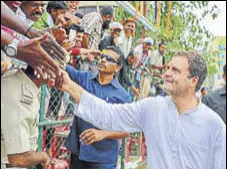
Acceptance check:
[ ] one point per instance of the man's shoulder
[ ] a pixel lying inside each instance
(216, 93)
(73, 71)
(124, 97)
(210, 116)
(122, 94)
(107, 38)
(155, 53)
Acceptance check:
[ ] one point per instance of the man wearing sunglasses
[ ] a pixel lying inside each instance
(91, 147)
(180, 131)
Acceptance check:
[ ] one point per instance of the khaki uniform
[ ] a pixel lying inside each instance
(19, 114)
(145, 86)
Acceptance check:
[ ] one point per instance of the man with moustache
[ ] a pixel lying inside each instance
(94, 24)
(180, 131)
(33, 10)
(125, 39)
(99, 149)
(111, 40)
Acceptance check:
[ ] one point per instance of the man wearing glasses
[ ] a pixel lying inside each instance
(180, 131)
(91, 147)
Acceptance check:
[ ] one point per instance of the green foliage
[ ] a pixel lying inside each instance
(211, 59)
(186, 31)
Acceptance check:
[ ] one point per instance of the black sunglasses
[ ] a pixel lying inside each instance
(109, 58)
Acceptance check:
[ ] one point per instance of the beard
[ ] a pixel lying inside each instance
(128, 34)
(171, 91)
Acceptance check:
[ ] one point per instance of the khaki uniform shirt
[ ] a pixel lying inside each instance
(19, 114)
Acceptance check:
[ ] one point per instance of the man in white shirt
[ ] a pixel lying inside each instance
(180, 131)
(125, 39)
(143, 50)
(158, 60)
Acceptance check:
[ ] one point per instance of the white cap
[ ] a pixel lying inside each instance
(116, 25)
(148, 40)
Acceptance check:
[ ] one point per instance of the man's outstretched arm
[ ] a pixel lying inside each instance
(111, 117)
(10, 20)
(32, 53)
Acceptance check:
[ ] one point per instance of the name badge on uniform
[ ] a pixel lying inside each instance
(27, 96)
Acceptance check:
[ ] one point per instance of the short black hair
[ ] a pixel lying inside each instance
(56, 5)
(118, 51)
(106, 10)
(161, 43)
(76, 27)
(197, 66)
(79, 15)
(224, 69)
(203, 88)
(131, 53)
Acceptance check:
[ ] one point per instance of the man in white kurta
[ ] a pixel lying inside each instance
(180, 132)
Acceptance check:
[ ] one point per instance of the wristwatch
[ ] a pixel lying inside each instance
(11, 49)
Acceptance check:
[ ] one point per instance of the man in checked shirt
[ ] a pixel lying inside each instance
(94, 24)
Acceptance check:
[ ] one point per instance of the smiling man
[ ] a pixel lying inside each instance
(125, 38)
(180, 132)
(99, 149)
(33, 9)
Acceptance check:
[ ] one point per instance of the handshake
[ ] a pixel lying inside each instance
(43, 53)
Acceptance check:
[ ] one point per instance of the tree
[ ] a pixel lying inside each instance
(186, 31)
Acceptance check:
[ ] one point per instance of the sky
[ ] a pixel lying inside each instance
(217, 26)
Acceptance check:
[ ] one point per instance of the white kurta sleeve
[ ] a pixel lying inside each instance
(114, 117)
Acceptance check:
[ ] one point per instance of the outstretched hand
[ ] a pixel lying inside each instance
(64, 82)
(50, 45)
(31, 52)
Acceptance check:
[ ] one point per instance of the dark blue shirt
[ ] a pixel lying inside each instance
(105, 151)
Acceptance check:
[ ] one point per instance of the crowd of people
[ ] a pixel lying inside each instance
(133, 89)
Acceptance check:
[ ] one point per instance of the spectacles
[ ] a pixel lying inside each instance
(109, 58)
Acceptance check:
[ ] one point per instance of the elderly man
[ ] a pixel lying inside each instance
(125, 38)
(180, 131)
(216, 100)
(111, 40)
(143, 77)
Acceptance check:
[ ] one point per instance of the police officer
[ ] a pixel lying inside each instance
(19, 121)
